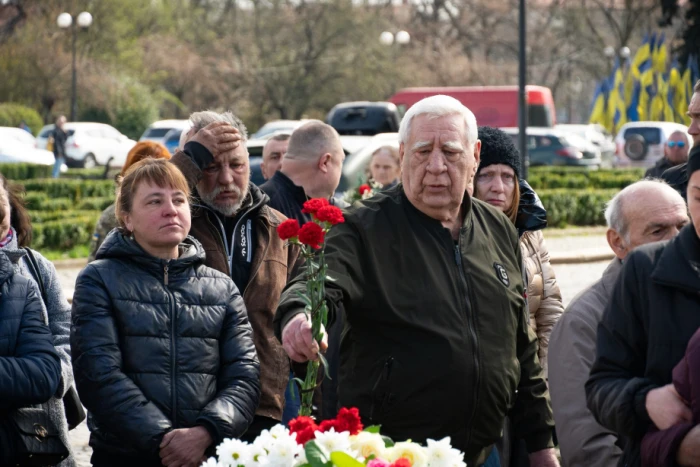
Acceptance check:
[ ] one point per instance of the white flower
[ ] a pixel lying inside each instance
(233, 452)
(301, 459)
(331, 441)
(279, 431)
(442, 454)
(411, 451)
(367, 444)
(211, 462)
(283, 452)
(257, 456)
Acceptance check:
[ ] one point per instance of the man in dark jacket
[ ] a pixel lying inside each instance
(59, 136)
(646, 327)
(437, 339)
(237, 228)
(675, 153)
(311, 168)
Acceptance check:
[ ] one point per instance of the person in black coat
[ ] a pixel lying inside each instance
(30, 369)
(163, 353)
(653, 313)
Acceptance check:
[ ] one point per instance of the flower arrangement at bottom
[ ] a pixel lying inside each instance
(341, 442)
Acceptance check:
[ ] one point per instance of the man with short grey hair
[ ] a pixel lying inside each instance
(437, 341)
(644, 212)
(232, 220)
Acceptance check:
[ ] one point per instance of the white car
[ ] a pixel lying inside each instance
(276, 126)
(91, 144)
(597, 135)
(641, 144)
(158, 131)
(16, 145)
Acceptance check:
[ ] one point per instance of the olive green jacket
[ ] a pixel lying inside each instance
(437, 339)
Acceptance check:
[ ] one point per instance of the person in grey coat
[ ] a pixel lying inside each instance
(644, 212)
(15, 235)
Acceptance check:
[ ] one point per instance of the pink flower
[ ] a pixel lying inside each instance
(378, 463)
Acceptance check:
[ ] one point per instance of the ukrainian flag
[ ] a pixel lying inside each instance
(646, 94)
(660, 55)
(598, 108)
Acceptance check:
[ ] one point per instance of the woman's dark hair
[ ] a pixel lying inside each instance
(19, 219)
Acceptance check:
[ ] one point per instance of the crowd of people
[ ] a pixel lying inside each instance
(445, 317)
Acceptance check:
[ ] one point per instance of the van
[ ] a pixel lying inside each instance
(641, 144)
(364, 118)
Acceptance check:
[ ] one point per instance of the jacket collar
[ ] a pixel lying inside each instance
(293, 191)
(467, 204)
(12, 249)
(120, 246)
(679, 264)
(610, 276)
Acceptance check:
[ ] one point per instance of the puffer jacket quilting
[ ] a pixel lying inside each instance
(151, 354)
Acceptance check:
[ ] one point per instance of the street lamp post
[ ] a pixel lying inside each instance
(522, 93)
(65, 21)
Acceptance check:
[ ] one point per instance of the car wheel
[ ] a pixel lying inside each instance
(89, 162)
(636, 147)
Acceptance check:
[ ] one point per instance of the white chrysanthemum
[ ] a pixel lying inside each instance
(442, 454)
(283, 452)
(331, 441)
(211, 462)
(367, 444)
(279, 431)
(233, 452)
(301, 459)
(411, 451)
(257, 456)
(264, 440)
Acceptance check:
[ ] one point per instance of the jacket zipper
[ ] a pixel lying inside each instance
(472, 330)
(173, 347)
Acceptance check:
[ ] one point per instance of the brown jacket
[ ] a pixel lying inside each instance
(543, 295)
(274, 263)
(582, 441)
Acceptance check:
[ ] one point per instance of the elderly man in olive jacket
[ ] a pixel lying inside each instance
(437, 339)
(644, 212)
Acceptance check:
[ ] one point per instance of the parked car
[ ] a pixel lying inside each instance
(364, 118)
(276, 126)
(641, 144)
(18, 135)
(161, 130)
(13, 151)
(596, 134)
(172, 140)
(91, 144)
(547, 146)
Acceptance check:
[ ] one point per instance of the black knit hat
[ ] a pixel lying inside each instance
(498, 148)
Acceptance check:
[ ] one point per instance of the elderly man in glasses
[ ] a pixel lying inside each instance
(675, 153)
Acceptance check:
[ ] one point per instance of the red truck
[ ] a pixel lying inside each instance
(495, 106)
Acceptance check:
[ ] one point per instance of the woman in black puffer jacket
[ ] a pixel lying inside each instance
(163, 354)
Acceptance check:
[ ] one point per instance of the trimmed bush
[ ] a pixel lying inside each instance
(73, 189)
(95, 204)
(39, 217)
(25, 171)
(567, 207)
(13, 114)
(55, 204)
(552, 179)
(64, 234)
(84, 174)
(34, 200)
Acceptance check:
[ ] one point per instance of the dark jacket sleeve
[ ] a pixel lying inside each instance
(616, 390)
(532, 413)
(233, 408)
(343, 256)
(32, 375)
(111, 396)
(659, 448)
(191, 161)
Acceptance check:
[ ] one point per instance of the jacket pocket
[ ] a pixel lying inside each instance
(381, 391)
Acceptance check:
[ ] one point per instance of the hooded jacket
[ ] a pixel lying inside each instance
(159, 345)
(437, 339)
(644, 333)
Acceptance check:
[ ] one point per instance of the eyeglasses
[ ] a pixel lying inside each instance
(672, 144)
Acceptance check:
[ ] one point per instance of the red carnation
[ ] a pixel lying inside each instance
(349, 420)
(330, 214)
(304, 427)
(326, 425)
(362, 189)
(311, 234)
(288, 229)
(313, 205)
(402, 462)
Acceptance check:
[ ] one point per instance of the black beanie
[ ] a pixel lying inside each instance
(693, 160)
(498, 148)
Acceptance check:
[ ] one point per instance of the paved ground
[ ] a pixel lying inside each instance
(572, 279)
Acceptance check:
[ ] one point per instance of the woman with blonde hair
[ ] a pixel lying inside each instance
(385, 166)
(163, 351)
(108, 219)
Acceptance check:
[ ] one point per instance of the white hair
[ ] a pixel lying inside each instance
(614, 210)
(201, 119)
(435, 107)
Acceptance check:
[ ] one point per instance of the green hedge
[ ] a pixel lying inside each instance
(39, 217)
(73, 189)
(13, 171)
(85, 174)
(13, 114)
(566, 207)
(63, 234)
(95, 204)
(581, 180)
